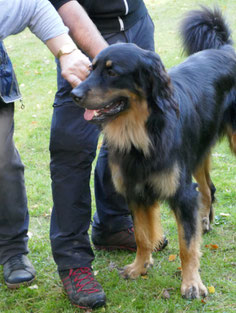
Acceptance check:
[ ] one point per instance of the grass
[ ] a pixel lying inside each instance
(36, 74)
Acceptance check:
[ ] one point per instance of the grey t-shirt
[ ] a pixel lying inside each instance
(39, 15)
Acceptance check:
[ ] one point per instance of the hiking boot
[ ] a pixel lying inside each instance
(82, 288)
(123, 240)
(18, 270)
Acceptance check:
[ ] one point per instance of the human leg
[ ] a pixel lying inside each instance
(73, 147)
(14, 219)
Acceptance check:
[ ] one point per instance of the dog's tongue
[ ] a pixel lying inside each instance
(88, 114)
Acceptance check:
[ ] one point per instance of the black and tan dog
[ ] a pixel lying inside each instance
(160, 128)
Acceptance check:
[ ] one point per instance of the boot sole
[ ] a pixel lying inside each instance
(96, 305)
(15, 286)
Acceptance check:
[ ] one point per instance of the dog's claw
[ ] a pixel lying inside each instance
(193, 291)
(206, 227)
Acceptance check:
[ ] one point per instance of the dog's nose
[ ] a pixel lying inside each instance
(77, 95)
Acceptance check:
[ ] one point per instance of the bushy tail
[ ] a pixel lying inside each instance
(204, 29)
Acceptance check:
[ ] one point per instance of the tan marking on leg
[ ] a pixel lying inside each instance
(148, 234)
(232, 138)
(117, 178)
(192, 286)
(203, 179)
(166, 183)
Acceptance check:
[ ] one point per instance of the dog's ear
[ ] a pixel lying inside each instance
(158, 84)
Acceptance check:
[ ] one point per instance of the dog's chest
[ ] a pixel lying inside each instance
(157, 185)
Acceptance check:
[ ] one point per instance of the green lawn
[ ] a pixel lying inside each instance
(36, 73)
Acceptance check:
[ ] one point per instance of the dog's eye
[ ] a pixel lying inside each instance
(112, 73)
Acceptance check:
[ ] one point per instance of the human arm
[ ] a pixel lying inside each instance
(46, 24)
(82, 29)
(75, 65)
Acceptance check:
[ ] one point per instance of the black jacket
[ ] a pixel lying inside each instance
(111, 16)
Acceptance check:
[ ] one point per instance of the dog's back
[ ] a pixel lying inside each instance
(207, 29)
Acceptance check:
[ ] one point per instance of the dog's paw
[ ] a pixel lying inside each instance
(131, 271)
(193, 290)
(206, 226)
(136, 269)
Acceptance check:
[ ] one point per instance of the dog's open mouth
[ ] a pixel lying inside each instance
(107, 111)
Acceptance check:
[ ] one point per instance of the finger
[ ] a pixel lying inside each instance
(83, 72)
(73, 80)
(88, 72)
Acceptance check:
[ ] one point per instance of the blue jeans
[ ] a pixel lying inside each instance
(73, 147)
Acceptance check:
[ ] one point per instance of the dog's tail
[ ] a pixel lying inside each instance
(204, 29)
(207, 29)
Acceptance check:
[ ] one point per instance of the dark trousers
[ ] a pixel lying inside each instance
(73, 148)
(14, 218)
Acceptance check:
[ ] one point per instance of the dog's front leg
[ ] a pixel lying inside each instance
(148, 233)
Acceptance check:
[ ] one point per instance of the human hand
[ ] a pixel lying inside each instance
(74, 67)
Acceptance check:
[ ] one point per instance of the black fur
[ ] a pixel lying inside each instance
(204, 29)
(189, 107)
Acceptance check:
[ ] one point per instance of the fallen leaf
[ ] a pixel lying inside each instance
(165, 294)
(203, 301)
(30, 234)
(33, 287)
(211, 289)
(225, 214)
(112, 266)
(46, 215)
(144, 277)
(214, 247)
(172, 257)
(179, 268)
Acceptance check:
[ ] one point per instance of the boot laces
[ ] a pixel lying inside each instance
(85, 280)
(16, 262)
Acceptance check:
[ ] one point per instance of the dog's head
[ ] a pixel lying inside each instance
(120, 74)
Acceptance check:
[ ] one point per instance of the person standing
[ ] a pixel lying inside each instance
(43, 20)
(93, 25)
